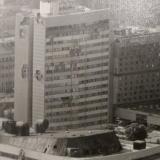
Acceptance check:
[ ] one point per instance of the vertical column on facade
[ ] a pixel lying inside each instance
(101, 76)
(111, 77)
(72, 52)
(85, 85)
(52, 77)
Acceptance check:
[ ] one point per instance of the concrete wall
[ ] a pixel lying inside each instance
(32, 154)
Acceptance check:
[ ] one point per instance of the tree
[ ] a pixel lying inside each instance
(9, 127)
(46, 123)
(9, 113)
(41, 125)
(136, 131)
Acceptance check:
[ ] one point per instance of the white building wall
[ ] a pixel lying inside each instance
(38, 66)
(23, 68)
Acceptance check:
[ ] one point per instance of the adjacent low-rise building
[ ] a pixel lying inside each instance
(136, 77)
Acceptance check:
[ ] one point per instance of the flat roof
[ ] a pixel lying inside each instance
(80, 133)
(138, 39)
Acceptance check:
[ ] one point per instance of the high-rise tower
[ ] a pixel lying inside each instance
(71, 69)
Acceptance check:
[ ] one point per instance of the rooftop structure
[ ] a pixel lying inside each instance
(85, 143)
(45, 146)
(60, 7)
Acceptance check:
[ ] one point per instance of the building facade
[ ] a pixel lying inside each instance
(137, 77)
(71, 70)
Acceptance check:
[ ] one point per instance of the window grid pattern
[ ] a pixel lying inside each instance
(76, 75)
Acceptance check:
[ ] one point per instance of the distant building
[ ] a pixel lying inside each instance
(6, 66)
(71, 70)
(94, 4)
(35, 4)
(1, 2)
(60, 7)
(137, 77)
(6, 74)
(155, 13)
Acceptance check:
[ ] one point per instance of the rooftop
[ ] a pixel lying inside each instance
(134, 31)
(140, 39)
(80, 133)
(61, 7)
(87, 141)
(150, 153)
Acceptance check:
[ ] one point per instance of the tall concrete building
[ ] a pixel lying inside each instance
(62, 62)
(71, 69)
(136, 78)
(23, 67)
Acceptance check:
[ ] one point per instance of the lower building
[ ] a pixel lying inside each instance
(137, 77)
